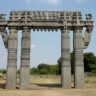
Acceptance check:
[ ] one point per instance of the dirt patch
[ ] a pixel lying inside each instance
(50, 86)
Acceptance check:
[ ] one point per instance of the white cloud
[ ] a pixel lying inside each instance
(33, 46)
(81, 1)
(54, 2)
(28, 1)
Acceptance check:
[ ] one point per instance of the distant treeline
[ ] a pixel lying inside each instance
(89, 66)
(47, 69)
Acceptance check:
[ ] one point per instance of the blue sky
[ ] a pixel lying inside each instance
(46, 46)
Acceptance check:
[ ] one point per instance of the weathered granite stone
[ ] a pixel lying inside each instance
(25, 59)
(46, 20)
(79, 63)
(12, 59)
(65, 57)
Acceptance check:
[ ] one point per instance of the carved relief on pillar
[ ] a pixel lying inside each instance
(65, 59)
(25, 59)
(78, 46)
(25, 52)
(79, 56)
(12, 47)
(65, 47)
(12, 59)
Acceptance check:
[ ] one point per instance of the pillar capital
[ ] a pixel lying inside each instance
(64, 28)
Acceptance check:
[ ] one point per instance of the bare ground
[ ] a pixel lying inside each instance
(49, 86)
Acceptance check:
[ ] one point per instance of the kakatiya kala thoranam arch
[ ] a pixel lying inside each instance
(45, 20)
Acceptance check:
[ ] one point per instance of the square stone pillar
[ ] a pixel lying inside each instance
(65, 57)
(12, 59)
(79, 56)
(25, 59)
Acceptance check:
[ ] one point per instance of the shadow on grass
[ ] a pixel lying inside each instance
(49, 85)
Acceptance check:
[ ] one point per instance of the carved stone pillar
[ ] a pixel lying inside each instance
(65, 57)
(79, 63)
(12, 59)
(25, 59)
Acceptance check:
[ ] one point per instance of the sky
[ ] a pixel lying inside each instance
(46, 46)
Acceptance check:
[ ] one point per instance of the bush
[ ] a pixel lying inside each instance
(45, 69)
(89, 63)
(34, 71)
(3, 71)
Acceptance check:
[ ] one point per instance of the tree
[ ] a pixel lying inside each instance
(43, 66)
(44, 69)
(34, 71)
(89, 63)
(59, 64)
(48, 69)
(72, 63)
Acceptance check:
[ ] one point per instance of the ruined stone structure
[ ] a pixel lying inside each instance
(46, 20)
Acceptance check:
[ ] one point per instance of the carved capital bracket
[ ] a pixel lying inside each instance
(87, 36)
(4, 35)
